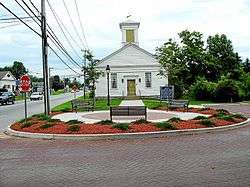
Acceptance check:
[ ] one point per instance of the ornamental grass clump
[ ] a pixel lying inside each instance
(165, 126)
(54, 120)
(74, 128)
(26, 125)
(23, 120)
(73, 122)
(207, 123)
(239, 116)
(46, 126)
(174, 119)
(105, 122)
(140, 121)
(42, 117)
(221, 112)
(226, 117)
(200, 118)
(121, 126)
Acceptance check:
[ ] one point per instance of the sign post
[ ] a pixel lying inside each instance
(25, 87)
(74, 88)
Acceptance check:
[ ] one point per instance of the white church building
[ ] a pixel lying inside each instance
(133, 70)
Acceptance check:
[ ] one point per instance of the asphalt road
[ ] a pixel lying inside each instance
(212, 159)
(12, 113)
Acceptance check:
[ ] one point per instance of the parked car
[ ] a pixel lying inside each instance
(36, 96)
(7, 97)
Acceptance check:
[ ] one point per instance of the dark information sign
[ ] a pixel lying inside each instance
(167, 92)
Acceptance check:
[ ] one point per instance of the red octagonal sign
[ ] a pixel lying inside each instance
(25, 83)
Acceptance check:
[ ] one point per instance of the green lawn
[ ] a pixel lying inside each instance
(19, 97)
(153, 103)
(101, 104)
(58, 92)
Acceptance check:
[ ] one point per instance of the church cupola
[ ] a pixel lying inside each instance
(129, 30)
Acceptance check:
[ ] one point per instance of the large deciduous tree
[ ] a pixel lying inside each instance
(17, 69)
(191, 58)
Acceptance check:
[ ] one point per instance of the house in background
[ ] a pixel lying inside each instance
(7, 81)
(133, 70)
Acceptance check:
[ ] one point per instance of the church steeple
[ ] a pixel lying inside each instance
(129, 31)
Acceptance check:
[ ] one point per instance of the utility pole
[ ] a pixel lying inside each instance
(45, 59)
(50, 81)
(84, 75)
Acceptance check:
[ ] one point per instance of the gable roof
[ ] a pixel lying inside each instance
(123, 48)
(3, 73)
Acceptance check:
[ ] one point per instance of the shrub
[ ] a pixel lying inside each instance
(202, 89)
(46, 126)
(105, 122)
(165, 126)
(121, 126)
(25, 125)
(72, 122)
(74, 128)
(222, 111)
(54, 120)
(226, 117)
(141, 121)
(174, 119)
(42, 117)
(23, 120)
(200, 117)
(207, 123)
(226, 91)
(238, 116)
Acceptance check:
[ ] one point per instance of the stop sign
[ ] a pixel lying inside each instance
(25, 83)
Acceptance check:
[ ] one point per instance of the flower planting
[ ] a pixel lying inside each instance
(46, 124)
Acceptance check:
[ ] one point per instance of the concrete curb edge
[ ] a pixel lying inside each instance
(141, 135)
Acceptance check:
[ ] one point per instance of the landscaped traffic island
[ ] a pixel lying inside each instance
(47, 125)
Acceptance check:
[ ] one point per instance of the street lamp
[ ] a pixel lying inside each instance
(108, 71)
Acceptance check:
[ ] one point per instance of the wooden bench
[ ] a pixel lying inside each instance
(81, 104)
(179, 103)
(128, 111)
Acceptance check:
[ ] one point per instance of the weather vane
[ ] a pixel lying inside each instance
(129, 15)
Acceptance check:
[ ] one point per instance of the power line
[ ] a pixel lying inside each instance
(37, 34)
(39, 24)
(62, 28)
(20, 19)
(80, 21)
(53, 35)
(12, 25)
(63, 60)
(62, 48)
(72, 23)
(9, 19)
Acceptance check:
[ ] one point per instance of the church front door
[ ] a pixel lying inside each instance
(131, 88)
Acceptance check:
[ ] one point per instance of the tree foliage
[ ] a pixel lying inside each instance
(17, 69)
(185, 62)
(91, 73)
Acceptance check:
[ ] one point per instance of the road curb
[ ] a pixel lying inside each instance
(140, 135)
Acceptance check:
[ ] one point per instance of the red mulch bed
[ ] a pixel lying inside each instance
(62, 127)
(208, 111)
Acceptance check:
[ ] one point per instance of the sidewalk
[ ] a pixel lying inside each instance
(132, 103)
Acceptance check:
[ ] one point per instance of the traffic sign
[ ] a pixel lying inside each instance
(25, 83)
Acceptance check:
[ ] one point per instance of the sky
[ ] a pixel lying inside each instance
(159, 21)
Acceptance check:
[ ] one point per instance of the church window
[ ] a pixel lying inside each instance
(130, 36)
(139, 80)
(148, 79)
(113, 80)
